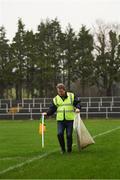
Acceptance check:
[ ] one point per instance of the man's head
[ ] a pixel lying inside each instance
(61, 89)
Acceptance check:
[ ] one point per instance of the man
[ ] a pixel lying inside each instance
(64, 104)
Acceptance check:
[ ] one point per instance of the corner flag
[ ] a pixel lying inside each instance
(42, 129)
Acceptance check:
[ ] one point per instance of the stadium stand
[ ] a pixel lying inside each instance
(106, 107)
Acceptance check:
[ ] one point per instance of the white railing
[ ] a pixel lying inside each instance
(41, 104)
(106, 111)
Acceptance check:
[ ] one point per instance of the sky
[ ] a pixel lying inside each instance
(75, 12)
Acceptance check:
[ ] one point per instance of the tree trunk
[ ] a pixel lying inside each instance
(108, 91)
(20, 90)
(83, 87)
(1, 92)
(69, 78)
(17, 91)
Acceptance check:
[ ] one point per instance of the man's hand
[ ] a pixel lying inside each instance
(44, 113)
(77, 110)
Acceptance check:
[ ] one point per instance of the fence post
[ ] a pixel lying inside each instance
(13, 117)
(101, 101)
(40, 107)
(89, 101)
(31, 114)
(33, 102)
(111, 104)
(87, 111)
(18, 107)
(112, 100)
(44, 102)
(10, 102)
(6, 108)
(106, 113)
(99, 105)
(29, 107)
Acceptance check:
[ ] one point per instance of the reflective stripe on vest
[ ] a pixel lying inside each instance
(65, 109)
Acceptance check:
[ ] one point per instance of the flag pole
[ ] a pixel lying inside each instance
(42, 130)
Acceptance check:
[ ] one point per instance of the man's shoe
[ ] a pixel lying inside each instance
(69, 151)
(62, 152)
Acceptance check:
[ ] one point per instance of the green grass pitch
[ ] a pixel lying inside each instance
(21, 155)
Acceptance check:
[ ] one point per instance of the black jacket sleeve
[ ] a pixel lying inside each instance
(76, 102)
(52, 109)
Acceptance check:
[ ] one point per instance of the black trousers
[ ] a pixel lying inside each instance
(62, 126)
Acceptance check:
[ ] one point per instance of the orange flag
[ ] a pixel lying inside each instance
(40, 128)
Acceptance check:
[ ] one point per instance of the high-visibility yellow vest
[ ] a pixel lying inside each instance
(65, 109)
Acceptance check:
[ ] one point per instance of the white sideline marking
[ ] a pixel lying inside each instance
(26, 162)
(106, 132)
(46, 154)
(10, 158)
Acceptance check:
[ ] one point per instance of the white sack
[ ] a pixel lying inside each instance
(83, 136)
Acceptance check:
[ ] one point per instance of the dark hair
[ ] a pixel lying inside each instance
(60, 86)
